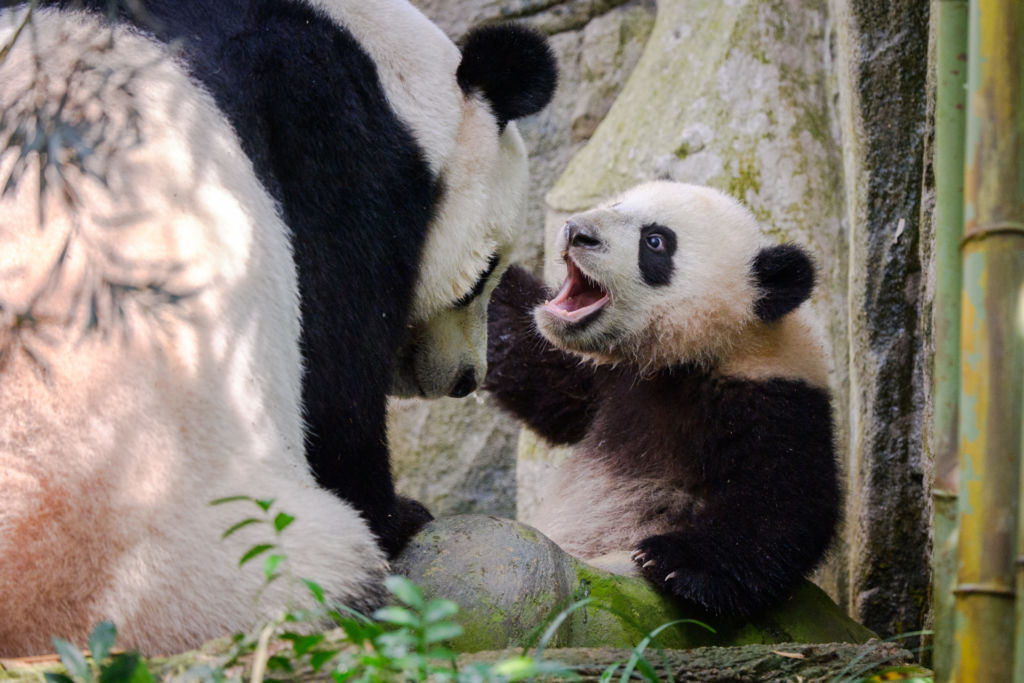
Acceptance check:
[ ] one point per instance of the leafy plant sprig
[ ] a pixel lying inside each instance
(102, 666)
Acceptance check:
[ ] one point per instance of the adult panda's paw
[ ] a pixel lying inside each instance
(408, 518)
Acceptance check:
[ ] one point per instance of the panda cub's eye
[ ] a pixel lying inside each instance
(481, 282)
(656, 242)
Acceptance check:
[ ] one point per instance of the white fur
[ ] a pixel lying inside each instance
(112, 446)
(591, 512)
(485, 182)
(485, 194)
(705, 314)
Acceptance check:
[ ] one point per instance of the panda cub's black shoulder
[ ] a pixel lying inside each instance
(701, 429)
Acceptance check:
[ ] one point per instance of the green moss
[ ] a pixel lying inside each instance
(747, 177)
(624, 610)
(635, 27)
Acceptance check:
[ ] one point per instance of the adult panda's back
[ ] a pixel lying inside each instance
(353, 185)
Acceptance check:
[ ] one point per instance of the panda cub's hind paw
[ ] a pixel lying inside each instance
(674, 566)
(664, 561)
(660, 559)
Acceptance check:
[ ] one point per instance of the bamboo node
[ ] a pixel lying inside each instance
(988, 588)
(992, 230)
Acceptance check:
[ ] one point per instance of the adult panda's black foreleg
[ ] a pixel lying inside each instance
(344, 392)
(554, 392)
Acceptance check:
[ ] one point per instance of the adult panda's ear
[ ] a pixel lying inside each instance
(785, 275)
(512, 66)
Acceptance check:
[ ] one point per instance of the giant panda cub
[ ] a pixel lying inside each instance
(678, 361)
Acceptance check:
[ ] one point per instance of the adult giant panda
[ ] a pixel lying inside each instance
(258, 216)
(702, 428)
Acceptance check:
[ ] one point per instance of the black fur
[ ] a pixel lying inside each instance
(531, 378)
(785, 275)
(307, 104)
(657, 264)
(512, 65)
(758, 455)
(481, 282)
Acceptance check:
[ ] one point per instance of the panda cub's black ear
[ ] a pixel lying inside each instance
(512, 66)
(785, 275)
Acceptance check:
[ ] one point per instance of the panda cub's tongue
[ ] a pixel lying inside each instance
(579, 297)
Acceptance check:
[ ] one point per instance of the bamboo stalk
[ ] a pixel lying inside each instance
(992, 347)
(950, 113)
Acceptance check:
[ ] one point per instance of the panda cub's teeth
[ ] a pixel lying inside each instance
(579, 298)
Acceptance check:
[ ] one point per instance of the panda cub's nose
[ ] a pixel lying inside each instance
(580, 235)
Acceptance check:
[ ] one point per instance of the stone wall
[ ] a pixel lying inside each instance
(813, 113)
(882, 59)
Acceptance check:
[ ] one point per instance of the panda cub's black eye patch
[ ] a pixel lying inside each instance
(657, 248)
(481, 282)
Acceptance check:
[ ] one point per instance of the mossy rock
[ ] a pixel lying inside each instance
(510, 581)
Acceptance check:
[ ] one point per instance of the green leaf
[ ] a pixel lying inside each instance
(303, 644)
(229, 499)
(321, 657)
(405, 590)
(637, 660)
(349, 613)
(270, 564)
(395, 643)
(57, 678)
(240, 525)
(315, 589)
(282, 520)
(556, 623)
(519, 668)
(515, 668)
(647, 670)
(436, 633)
(253, 552)
(101, 640)
(264, 503)
(437, 610)
(72, 659)
(126, 668)
(342, 676)
(355, 632)
(441, 653)
(397, 615)
(279, 663)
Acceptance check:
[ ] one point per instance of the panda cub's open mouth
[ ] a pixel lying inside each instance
(580, 299)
